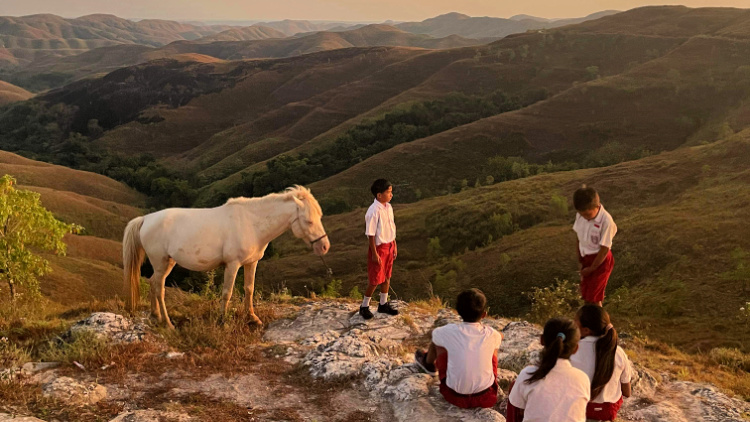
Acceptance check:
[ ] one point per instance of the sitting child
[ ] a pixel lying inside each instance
(605, 363)
(465, 355)
(553, 391)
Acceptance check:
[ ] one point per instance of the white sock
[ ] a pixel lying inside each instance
(383, 298)
(366, 302)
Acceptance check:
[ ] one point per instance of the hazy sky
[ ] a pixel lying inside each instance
(345, 10)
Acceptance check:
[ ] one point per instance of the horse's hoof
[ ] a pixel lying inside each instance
(254, 320)
(170, 326)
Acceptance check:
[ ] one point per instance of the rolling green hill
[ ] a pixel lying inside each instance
(680, 250)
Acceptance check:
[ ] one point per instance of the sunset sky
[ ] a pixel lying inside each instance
(343, 10)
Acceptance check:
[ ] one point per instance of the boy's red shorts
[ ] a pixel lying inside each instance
(378, 274)
(592, 286)
(486, 398)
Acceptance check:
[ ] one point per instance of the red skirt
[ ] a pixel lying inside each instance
(486, 398)
(378, 274)
(593, 285)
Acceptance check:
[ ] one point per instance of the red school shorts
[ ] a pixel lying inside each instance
(592, 286)
(378, 274)
(486, 398)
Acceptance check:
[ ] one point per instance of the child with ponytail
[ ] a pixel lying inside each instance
(553, 391)
(605, 363)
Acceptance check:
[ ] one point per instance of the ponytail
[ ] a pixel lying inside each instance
(560, 339)
(597, 320)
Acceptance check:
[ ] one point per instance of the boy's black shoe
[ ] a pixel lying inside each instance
(387, 309)
(365, 312)
(420, 357)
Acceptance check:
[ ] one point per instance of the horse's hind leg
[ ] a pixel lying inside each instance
(249, 290)
(161, 271)
(230, 273)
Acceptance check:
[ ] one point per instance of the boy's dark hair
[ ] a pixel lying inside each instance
(380, 186)
(471, 304)
(583, 198)
(561, 336)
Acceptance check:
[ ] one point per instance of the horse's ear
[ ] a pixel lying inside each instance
(298, 201)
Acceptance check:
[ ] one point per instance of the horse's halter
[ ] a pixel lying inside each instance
(312, 242)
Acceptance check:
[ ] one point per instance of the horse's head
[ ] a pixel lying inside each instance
(308, 224)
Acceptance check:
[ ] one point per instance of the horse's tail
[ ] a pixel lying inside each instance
(132, 258)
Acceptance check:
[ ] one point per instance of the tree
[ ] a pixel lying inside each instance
(25, 228)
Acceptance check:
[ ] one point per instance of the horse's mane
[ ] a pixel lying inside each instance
(294, 192)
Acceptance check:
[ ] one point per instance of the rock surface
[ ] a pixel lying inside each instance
(333, 343)
(71, 391)
(4, 417)
(152, 416)
(112, 327)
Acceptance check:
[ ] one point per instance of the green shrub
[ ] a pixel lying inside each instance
(434, 251)
(354, 293)
(732, 358)
(83, 347)
(558, 206)
(332, 289)
(561, 299)
(445, 284)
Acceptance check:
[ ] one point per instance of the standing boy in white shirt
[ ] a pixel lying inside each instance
(380, 229)
(595, 229)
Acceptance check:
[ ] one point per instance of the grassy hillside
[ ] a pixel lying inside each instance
(27, 38)
(487, 27)
(680, 251)
(92, 266)
(10, 93)
(236, 44)
(253, 32)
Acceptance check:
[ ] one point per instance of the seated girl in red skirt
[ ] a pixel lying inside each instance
(605, 363)
(465, 355)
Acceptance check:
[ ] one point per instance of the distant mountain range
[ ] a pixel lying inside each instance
(36, 43)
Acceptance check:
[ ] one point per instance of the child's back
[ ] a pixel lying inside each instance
(470, 347)
(561, 396)
(553, 390)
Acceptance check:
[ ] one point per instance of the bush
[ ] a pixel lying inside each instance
(558, 206)
(332, 289)
(561, 299)
(83, 347)
(12, 355)
(354, 293)
(467, 227)
(434, 251)
(445, 284)
(732, 358)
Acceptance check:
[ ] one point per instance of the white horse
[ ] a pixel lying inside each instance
(235, 234)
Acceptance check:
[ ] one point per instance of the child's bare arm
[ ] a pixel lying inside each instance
(374, 250)
(626, 390)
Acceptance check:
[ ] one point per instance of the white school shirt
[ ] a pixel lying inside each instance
(470, 346)
(561, 396)
(593, 234)
(379, 223)
(585, 360)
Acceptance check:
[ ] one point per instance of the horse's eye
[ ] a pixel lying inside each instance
(309, 222)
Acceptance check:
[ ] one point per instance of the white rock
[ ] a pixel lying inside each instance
(110, 326)
(31, 368)
(411, 387)
(71, 391)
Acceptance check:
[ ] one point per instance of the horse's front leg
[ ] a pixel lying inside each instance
(249, 290)
(230, 273)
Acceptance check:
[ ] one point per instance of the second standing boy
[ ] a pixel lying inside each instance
(380, 229)
(595, 229)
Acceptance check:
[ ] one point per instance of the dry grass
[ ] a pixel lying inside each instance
(702, 367)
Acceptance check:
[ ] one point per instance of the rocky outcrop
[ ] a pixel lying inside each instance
(152, 416)
(112, 327)
(71, 391)
(333, 343)
(4, 417)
